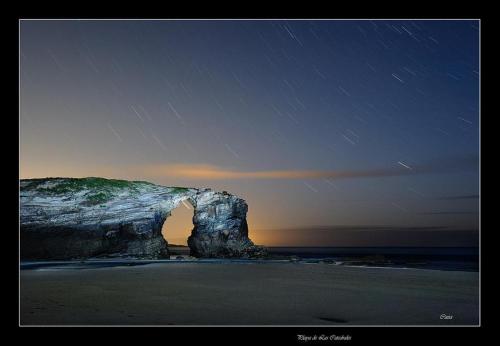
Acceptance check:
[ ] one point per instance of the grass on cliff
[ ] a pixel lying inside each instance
(98, 198)
(101, 189)
(177, 189)
(65, 185)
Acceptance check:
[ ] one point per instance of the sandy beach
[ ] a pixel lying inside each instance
(248, 294)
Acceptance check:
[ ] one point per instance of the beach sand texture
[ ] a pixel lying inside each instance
(248, 294)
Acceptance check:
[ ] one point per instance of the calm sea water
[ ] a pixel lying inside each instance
(439, 258)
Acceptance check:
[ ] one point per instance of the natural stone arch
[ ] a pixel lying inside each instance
(64, 218)
(220, 226)
(178, 225)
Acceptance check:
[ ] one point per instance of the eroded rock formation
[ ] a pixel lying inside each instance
(63, 218)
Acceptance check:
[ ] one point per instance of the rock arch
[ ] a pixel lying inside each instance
(179, 225)
(63, 218)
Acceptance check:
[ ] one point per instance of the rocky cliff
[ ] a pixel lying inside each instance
(63, 218)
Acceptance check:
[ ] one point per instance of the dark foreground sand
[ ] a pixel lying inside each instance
(248, 294)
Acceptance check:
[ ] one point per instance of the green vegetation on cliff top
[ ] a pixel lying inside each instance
(101, 189)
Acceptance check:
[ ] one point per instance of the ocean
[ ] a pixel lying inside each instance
(438, 258)
(434, 258)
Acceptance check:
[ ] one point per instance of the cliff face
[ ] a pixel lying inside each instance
(63, 218)
(220, 226)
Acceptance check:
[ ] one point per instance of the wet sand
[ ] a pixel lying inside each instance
(248, 294)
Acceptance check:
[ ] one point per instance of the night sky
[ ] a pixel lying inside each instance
(340, 133)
